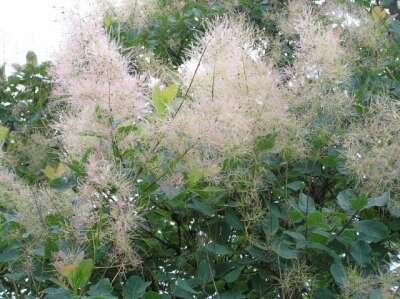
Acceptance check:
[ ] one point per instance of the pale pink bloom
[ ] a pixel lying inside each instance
(90, 71)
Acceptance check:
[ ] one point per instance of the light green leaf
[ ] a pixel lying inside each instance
(316, 219)
(81, 274)
(358, 203)
(3, 134)
(162, 98)
(266, 142)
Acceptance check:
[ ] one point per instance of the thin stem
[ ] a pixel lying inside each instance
(213, 84)
(191, 82)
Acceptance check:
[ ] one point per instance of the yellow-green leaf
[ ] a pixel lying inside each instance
(3, 133)
(53, 173)
(162, 98)
(378, 14)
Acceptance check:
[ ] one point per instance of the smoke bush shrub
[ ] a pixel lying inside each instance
(263, 165)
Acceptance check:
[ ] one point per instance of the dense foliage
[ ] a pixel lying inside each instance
(206, 149)
(24, 118)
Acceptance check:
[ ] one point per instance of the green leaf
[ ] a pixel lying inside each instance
(233, 275)
(376, 294)
(296, 186)
(284, 248)
(266, 142)
(135, 287)
(358, 203)
(270, 224)
(361, 252)
(232, 220)
(185, 286)
(295, 235)
(218, 249)
(343, 200)
(372, 231)
(324, 293)
(306, 204)
(162, 98)
(379, 201)
(295, 215)
(10, 254)
(53, 293)
(232, 295)
(152, 295)
(320, 247)
(3, 133)
(202, 207)
(53, 173)
(203, 273)
(316, 219)
(81, 275)
(338, 273)
(102, 289)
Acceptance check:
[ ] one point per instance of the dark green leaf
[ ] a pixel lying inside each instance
(233, 275)
(152, 295)
(102, 289)
(135, 287)
(10, 254)
(296, 186)
(343, 200)
(184, 285)
(285, 249)
(379, 201)
(232, 295)
(202, 208)
(372, 231)
(338, 274)
(306, 204)
(203, 273)
(361, 252)
(218, 249)
(53, 293)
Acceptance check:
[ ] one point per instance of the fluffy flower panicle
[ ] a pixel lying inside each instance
(90, 71)
(235, 92)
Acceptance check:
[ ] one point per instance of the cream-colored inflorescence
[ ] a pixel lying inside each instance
(372, 147)
(132, 12)
(320, 55)
(235, 93)
(101, 92)
(321, 64)
(32, 205)
(94, 79)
